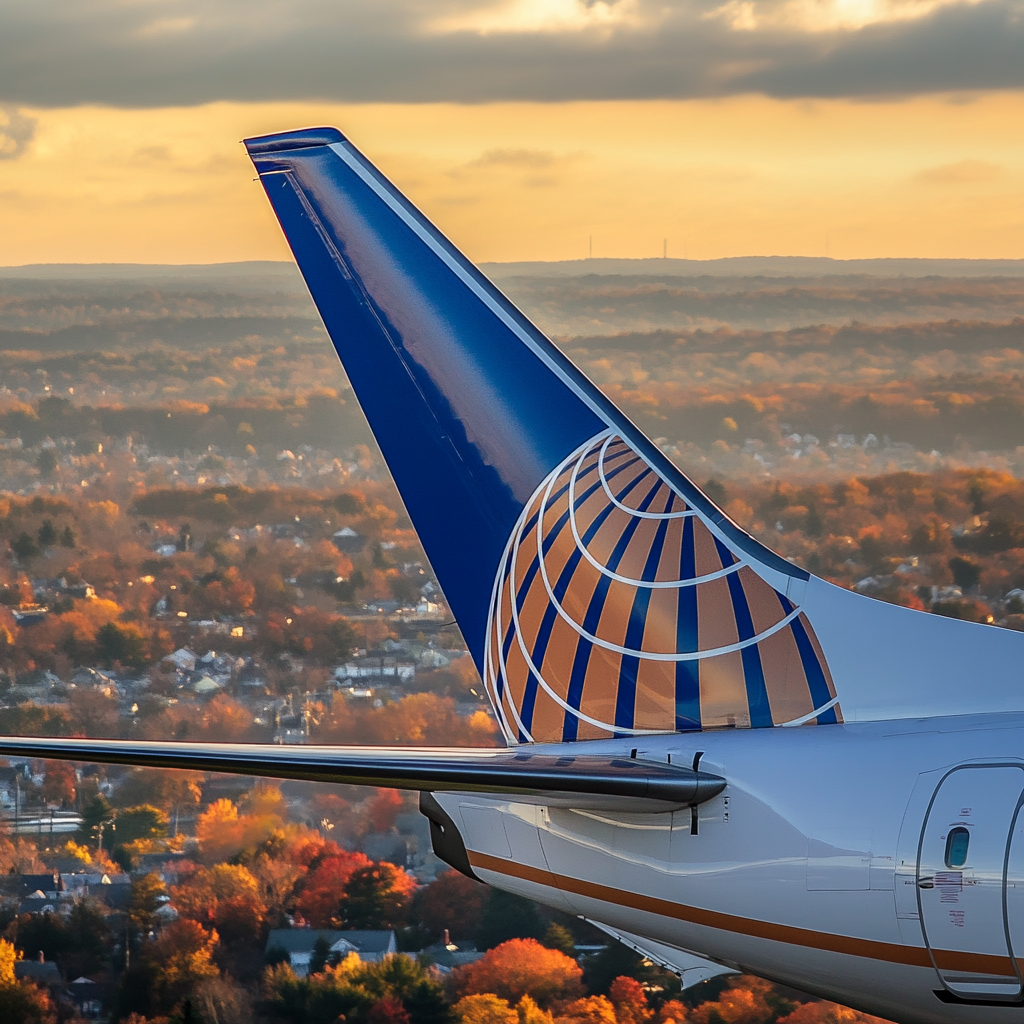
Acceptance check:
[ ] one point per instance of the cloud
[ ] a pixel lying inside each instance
(531, 159)
(143, 54)
(16, 131)
(963, 172)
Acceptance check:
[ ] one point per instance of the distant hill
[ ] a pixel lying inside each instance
(758, 266)
(284, 274)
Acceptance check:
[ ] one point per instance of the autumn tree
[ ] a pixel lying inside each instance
(388, 1010)
(376, 896)
(226, 897)
(318, 901)
(522, 967)
(21, 1002)
(59, 784)
(630, 1001)
(591, 1010)
(484, 1008)
(451, 901)
(183, 956)
(745, 1000)
(144, 822)
(828, 1013)
(147, 897)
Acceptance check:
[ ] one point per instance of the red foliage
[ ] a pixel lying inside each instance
(321, 892)
(630, 1000)
(387, 1011)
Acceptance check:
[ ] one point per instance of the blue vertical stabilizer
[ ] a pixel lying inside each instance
(575, 557)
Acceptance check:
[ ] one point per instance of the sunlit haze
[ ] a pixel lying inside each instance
(927, 177)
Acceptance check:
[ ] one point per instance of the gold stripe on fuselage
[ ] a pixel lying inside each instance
(889, 952)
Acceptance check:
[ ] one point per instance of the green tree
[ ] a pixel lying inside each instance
(145, 822)
(95, 814)
(67, 538)
(376, 897)
(124, 644)
(507, 916)
(24, 546)
(318, 958)
(47, 534)
(559, 937)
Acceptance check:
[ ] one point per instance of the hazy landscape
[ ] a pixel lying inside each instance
(199, 539)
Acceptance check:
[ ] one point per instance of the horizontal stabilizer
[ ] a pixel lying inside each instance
(589, 781)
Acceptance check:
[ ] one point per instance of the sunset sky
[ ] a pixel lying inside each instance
(855, 128)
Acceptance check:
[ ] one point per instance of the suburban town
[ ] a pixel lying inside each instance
(199, 540)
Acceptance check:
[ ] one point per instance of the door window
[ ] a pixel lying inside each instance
(957, 843)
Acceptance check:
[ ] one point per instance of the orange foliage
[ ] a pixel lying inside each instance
(829, 1013)
(592, 1010)
(222, 832)
(630, 1001)
(672, 1010)
(419, 719)
(484, 1009)
(322, 888)
(743, 1002)
(226, 896)
(522, 967)
(183, 955)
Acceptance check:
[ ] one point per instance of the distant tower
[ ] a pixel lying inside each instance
(591, 251)
(664, 248)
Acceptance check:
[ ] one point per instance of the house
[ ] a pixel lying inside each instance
(292, 728)
(348, 541)
(446, 956)
(298, 943)
(10, 783)
(376, 665)
(85, 994)
(182, 659)
(41, 971)
(51, 882)
(29, 614)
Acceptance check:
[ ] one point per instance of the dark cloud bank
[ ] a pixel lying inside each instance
(65, 52)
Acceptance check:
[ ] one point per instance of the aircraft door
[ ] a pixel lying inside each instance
(961, 881)
(1015, 888)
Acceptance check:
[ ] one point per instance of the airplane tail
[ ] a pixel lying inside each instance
(600, 592)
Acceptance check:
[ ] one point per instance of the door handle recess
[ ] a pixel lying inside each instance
(926, 883)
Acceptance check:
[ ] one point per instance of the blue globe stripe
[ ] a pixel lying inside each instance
(687, 672)
(753, 671)
(816, 681)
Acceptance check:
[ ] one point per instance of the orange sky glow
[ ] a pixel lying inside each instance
(933, 176)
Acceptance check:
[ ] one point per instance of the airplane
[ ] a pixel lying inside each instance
(717, 757)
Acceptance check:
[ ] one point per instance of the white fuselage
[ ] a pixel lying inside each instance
(835, 861)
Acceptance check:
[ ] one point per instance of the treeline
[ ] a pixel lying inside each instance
(321, 419)
(899, 535)
(609, 303)
(962, 414)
